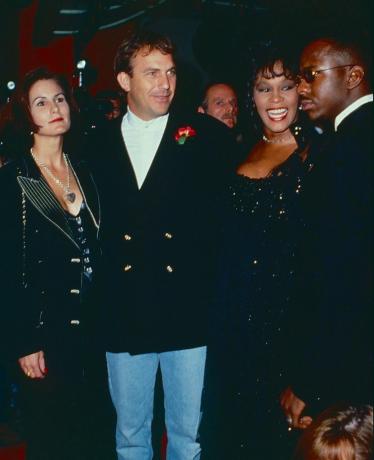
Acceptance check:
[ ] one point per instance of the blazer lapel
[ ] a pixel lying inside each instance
(41, 197)
(122, 157)
(89, 191)
(44, 201)
(162, 164)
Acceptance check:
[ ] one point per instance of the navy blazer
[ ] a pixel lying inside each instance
(159, 242)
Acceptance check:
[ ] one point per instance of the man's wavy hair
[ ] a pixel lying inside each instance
(142, 40)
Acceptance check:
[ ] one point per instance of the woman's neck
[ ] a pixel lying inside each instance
(271, 137)
(48, 151)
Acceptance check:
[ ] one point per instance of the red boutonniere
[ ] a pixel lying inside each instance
(183, 134)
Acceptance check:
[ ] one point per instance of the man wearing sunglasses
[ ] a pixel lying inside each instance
(332, 329)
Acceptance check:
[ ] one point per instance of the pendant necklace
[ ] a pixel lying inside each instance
(68, 194)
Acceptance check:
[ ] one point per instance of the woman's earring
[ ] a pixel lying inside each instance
(31, 133)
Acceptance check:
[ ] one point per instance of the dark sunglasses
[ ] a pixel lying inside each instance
(310, 75)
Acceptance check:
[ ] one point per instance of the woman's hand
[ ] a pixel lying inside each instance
(34, 365)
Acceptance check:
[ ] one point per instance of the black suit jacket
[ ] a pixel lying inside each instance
(333, 333)
(41, 264)
(159, 242)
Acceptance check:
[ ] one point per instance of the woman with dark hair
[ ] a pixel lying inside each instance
(263, 224)
(50, 213)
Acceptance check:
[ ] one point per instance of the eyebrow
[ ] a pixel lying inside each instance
(155, 69)
(45, 97)
(152, 69)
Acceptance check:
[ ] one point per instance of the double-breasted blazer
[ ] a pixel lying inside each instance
(159, 242)
(41, 264)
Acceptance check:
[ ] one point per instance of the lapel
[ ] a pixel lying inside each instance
(37, 191)
(88, 189)
(161, 166)
(163, 163)
(121, 156)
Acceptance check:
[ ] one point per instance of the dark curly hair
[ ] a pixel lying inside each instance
(261, 60)
(142, 39)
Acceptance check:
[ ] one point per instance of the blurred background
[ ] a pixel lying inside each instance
(79, 37)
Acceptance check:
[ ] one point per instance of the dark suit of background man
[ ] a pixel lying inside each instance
(158, 177)
(335, 304)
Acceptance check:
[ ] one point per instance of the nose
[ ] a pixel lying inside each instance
(164, 81)
(54, 106)
(276, 96)
(303, 87)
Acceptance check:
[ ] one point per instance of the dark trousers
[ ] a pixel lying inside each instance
(69, 414)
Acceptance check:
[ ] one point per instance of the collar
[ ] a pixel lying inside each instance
(135, 122)
(351, 108)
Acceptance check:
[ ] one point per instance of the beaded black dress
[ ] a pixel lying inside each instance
(252, 320)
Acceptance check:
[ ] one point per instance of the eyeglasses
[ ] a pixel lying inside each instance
(310, 75)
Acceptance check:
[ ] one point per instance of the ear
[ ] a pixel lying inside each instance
(355, 76)
(200, 109)
(124, 81)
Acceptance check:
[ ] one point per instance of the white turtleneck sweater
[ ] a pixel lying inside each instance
(142, 139)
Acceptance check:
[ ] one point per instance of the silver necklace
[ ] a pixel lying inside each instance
(68, 194)
(281, 140)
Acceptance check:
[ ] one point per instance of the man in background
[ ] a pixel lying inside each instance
(220, 101)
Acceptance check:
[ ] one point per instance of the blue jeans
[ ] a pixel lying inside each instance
(131, 383)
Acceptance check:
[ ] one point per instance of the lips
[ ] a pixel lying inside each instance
(277, 114)
(307, 104)
(162, 97)
(56, 119)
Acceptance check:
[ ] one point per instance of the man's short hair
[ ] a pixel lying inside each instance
(140, 40)
(352, 47)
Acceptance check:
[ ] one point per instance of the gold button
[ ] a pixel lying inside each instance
(169, 268)
(127, 237)
(127, 267)
(169, 236)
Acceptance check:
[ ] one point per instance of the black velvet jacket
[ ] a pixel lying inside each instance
(41, 265)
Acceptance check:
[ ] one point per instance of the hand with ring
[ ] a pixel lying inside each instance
(34, 365)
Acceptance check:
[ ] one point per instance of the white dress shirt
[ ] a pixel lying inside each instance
(142, 139)
(351, 108)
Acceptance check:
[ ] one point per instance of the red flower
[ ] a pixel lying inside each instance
(183, 133)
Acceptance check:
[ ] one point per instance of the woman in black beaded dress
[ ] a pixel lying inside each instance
(261, 231)
(50, 214)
